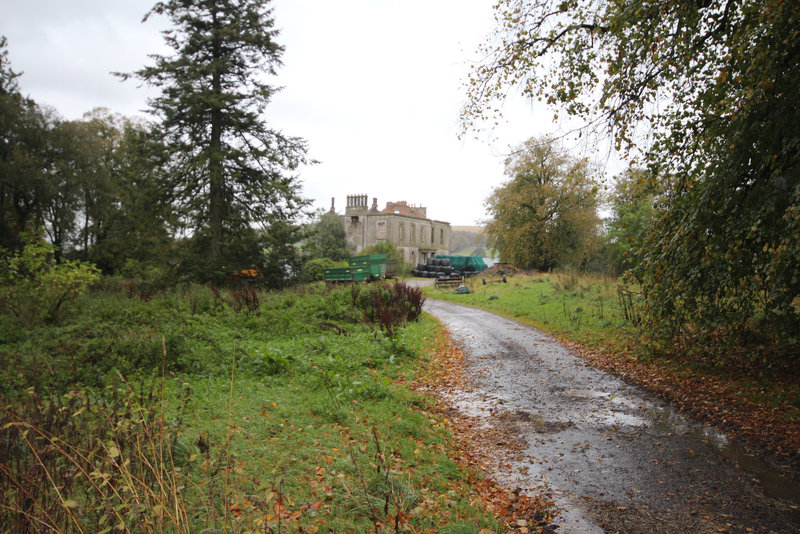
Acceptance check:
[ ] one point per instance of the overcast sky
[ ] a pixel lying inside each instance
(374, 86)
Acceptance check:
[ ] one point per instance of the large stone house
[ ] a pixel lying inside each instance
(407, 226)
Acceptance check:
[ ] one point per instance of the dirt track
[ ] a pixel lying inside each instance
(616, 458)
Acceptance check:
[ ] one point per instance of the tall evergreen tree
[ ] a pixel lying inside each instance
(231, 170)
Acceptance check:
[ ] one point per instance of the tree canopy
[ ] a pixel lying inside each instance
(231, 172)
(326, 239)
(705, 92)
(545, 215)
(632, 204)
(88, 185)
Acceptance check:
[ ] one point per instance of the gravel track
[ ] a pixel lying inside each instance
(616, 458)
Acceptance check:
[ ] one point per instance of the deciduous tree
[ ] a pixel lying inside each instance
(713, 85)
(545, 215)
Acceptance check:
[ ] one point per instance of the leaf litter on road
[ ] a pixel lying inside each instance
(484, 451)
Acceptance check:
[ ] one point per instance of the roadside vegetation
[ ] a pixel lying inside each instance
(236, 410)
(586, 308)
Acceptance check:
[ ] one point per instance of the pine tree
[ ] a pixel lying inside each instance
(231, 171)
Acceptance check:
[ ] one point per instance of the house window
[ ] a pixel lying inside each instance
(441, 236)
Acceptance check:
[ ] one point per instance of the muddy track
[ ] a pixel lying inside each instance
(616, 458)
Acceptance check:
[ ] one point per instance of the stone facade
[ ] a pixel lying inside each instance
(407, 226)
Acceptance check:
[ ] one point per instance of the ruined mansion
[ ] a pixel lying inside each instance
(407, 226)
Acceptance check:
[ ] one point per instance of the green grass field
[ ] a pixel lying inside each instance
(286, 417)
(585, 309)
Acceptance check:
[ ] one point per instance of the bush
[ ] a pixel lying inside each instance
(35, 288)
(314, 270)
(389, 305)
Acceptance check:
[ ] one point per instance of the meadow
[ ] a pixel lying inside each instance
(200, 410)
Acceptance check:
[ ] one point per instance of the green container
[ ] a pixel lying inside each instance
(378, 265)
(348, 274)
(370, 259)
(362, 269)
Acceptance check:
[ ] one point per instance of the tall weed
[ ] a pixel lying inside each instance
(85, 462)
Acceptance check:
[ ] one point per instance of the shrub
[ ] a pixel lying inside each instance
(389, 305)
(35, 288)
(314, 270)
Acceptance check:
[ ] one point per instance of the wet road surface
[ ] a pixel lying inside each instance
(615, 457)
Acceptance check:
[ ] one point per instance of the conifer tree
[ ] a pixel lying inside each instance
(231, 171)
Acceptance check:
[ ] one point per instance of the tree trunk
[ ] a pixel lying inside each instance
(215, 164)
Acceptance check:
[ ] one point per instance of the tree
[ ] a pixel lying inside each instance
(713, 85)
(545, 215)
(23, 143)
(326, 239)
(632, 212)
(229, 168)
(133, 234)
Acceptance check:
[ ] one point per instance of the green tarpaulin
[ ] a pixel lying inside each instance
(473, 264)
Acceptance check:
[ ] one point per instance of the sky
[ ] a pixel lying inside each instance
(374, 86)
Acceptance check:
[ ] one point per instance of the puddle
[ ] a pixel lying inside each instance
(773, 483)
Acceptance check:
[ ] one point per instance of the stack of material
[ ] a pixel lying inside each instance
(450, 267)
(436, 268)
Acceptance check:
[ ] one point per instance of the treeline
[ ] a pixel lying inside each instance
(203, 189)
(89, 185)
